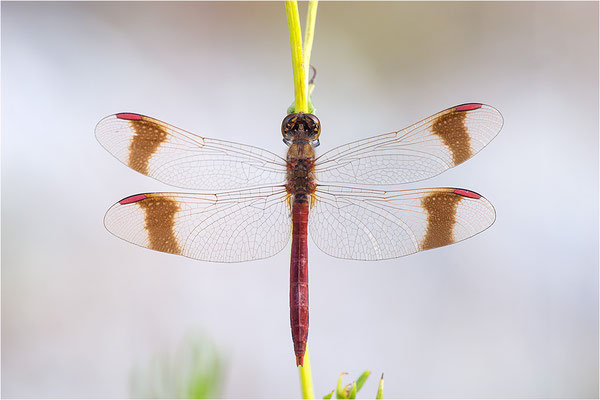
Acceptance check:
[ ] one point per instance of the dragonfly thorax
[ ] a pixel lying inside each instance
(301, 127)
(300, 168)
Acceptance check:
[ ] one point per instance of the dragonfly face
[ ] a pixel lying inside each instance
(254, 201)
(301, 127)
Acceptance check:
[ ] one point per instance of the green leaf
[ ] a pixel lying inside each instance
(339, 391)
(362, 379)
(353, 391)
(380, 389)
(328, 395)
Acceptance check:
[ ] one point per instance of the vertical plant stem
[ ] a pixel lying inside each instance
(293, 19)
(309, 34)
(306, 378)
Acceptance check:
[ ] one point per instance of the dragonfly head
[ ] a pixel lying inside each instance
(301, 127)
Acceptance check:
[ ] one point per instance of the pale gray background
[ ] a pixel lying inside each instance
(510, 313)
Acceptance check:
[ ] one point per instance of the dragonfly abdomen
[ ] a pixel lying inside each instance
(299, 277)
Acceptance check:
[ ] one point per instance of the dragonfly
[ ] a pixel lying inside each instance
(253, 201)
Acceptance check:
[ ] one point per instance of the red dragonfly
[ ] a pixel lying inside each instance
(256, 199)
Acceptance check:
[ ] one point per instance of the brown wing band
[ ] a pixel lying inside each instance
(160, 223)
(451, 129)
(147, 139)
(441, 217)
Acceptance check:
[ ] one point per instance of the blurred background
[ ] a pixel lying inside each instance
(511, 313)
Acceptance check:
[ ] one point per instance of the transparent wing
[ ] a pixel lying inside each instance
(222, 227)
(365, 224)
(420, 151)
(186, 160)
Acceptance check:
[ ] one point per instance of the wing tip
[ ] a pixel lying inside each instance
(476, 196)
(466, 107)
(100, 126)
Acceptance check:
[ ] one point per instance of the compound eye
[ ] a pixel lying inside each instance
(315, 125)
(288, 123)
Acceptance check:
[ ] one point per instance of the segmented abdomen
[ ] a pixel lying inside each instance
(299, 276)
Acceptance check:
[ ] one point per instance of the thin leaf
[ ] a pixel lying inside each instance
(362, 379)
(353, 391)
(339, 391)
(380, 389)
(328, 395)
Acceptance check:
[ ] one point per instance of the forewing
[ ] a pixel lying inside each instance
(223, 227)
(186, 160)
(364, 224)
(420, 151)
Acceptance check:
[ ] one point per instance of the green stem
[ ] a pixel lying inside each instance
(306, 378)
(293, 19)
(309, 34)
